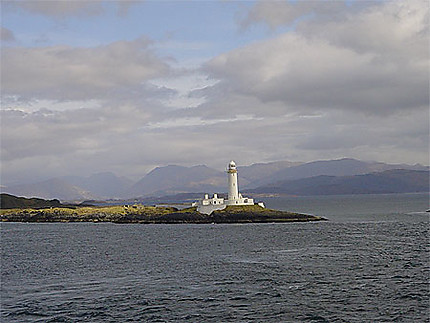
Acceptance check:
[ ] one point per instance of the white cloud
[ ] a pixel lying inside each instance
(195, 122)
(393, 30)
(374, 61)
(184, 83)
(70, 73)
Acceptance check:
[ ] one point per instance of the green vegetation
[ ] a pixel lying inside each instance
(150, 214)
(8, 201)
(126, 214)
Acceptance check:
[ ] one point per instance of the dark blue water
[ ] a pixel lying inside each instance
(373, 267)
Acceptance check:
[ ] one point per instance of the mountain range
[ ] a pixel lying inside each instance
(339, 167)
(103, 185)
(389, 181)
(341, 176)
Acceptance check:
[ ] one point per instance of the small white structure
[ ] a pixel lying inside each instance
(208, 205)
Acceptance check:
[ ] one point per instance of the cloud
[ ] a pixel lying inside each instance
(63, 9)
(353, 87)
(131, 140)
(59, 8)
(125, 5)
(6, 35)
(393, 30)
(68, 140)
(71, 73)
(344, 132)
(278, 13)
(375, 61)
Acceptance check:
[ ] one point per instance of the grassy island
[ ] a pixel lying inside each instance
(151, 214)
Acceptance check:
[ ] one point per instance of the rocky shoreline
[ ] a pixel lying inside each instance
(154, 215)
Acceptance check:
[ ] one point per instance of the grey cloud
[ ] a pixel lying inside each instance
(113, 138)
(48, 132)
(6, 35)
(125, 5)
(58, 8)
(394, 30)
(79, 73)
(79, 141)
(85, 141)
(350, 132)
(312, 71)
(278, 13)
(62, 9)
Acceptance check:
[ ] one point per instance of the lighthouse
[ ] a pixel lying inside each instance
(233, 190)
(208, 205)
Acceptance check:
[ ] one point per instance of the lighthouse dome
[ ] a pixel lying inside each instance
(232, 165)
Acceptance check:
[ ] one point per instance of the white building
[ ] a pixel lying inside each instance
(208, 205)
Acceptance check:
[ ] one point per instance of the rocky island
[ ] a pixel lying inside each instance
(152, 214)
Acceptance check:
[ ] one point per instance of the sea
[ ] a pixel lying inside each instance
(368, 263)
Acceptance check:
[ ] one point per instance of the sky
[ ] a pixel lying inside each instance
(126, 86)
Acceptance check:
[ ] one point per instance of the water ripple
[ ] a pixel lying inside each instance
(333, 272)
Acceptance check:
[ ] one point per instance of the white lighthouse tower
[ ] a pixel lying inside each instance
(233, 190)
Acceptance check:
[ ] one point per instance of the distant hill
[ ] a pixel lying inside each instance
(8, 201)
(175, 179)
(259, 171)
(339, 167)
(391, 181)
(97, 186)
(102, 185)
(54, 188)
